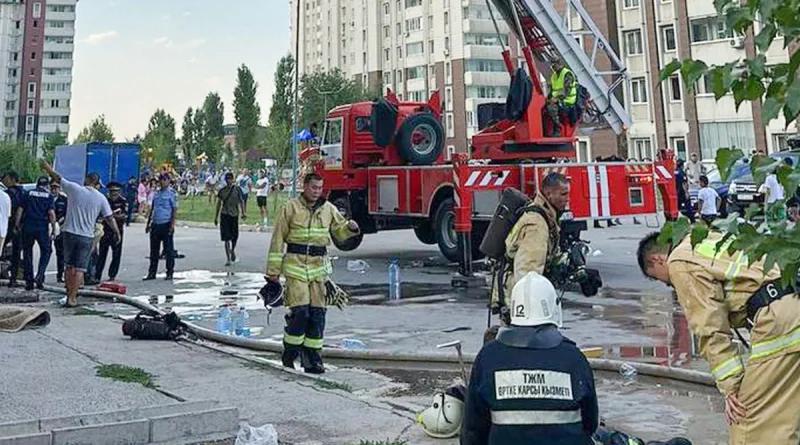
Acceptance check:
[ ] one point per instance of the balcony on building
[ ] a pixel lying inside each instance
(57, 63)
(59, 47)
(64, 16)
(59, 32)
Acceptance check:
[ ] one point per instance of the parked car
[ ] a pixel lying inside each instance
(739, 170)
(743, 191)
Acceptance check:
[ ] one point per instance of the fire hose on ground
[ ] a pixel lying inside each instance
(597, 364)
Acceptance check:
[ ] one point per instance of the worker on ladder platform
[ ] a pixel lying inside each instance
(563, 97)
(531, 385)
(533, 242)
(305, 225)
(719, 292)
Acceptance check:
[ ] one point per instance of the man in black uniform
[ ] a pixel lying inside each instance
(36, 220)
(15, 192)
(60, 207)
(119, 207)
(531, 385)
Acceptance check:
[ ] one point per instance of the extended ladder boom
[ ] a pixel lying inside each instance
(545, 31)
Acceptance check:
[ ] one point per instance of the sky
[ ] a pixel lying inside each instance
(134, 56)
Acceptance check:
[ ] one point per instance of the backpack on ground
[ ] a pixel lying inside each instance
(148, 325)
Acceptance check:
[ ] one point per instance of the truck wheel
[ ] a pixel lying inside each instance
(444, 228)
(425, 233)
(420, 139)
(343, 204)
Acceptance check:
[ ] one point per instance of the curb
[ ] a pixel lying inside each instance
(179, 423)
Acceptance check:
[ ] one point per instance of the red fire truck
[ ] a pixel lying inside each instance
(384, 165)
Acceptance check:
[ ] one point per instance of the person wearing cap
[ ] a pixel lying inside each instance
(161, 226)
(36, 221)
(532, 384)
(85, 205)
(60, 207)
(15, 192)
(119, 209)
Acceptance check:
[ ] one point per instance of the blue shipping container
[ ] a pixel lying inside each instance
(113, 162)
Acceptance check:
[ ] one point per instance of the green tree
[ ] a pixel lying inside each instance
(214, 116)
(14, 156)
(246, 110)
(283, 97)
(778, 87)
(277, 142)
(189, 137)
(320, 92)
(50, 144)
(160, 137)
(97, 131)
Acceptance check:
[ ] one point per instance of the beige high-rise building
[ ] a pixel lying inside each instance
(37, 42)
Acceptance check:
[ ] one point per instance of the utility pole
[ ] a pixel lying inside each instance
(296, 99)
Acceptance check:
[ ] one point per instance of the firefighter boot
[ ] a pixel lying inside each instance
(312, 346)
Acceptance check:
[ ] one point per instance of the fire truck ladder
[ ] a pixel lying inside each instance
(548, 35)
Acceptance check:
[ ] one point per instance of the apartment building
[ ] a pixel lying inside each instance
(654, 32)
(37, 43)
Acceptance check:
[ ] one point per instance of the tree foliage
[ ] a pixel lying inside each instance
(212, 127)
(15, 157)
(283, 98)
(320, 92)
(246, 110)
(49, 146)
(778, 87)
(160, 137)
(97, 131)
(190, 135)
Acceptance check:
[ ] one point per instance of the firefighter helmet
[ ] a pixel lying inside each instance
(534, 302)
(272, 294)
(442, 420)
(335, 295)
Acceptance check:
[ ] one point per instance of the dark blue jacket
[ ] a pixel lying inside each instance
(530, 386)
(36, 206)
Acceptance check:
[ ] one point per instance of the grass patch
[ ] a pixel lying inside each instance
(330, 384)
(127, 374)
(86, 311)
(384, 442)
(198, 209)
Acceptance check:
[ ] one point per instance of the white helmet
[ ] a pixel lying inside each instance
(534, 302)
(442, 420)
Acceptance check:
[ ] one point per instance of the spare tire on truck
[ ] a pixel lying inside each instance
(343, 204)
(420, 139)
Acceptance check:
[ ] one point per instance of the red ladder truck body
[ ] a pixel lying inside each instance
(384, 166)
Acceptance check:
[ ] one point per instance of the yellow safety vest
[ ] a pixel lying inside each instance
(557, 82)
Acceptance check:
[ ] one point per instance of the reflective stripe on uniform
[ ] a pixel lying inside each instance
(294, 340)
(535, 417)
(306, 273)
(776, 345)
(729, 368)
(275, 259)
(708, 249)
(313, 343)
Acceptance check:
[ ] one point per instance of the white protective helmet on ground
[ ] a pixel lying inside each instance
(534, 302)
(442, 420)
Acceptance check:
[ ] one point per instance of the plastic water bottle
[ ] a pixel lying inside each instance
(236, 320)
(353, 344)
(244, 322)
(224, 321)
(394, 280)
(628, 373)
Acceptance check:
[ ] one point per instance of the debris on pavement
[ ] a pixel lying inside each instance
(628, 373)
(263, 435)
(359, 266)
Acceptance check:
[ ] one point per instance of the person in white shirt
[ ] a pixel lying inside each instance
(707, 201)
(262, 192)
(245, 183)
(694, 169)
(774, 194)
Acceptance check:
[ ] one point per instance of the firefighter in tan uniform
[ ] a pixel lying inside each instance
(532, 244)
(719, 292)
(305, 226)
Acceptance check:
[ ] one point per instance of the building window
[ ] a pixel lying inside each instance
(633, 42)
(417, 72)
(399, 52)
(583, 151)
(35, 25)
(33, 72)
(398, 76)
(29, 123)
(713, 135)
(448, 72)
(675, 88)
(447, 43)
(485, 39)
(451, 132)
(678, 145)
(11, 105)
(10, 121)
(430, 22)
(492, 66)
(486, 92)
(32, 89)
(12, 72)
(414, 24)
(703, 86)
(33, 55)
(398, 29)
(631, 4)
(470, 119)
(387, 78)
(412, 49)
(31, 105)
(638, 90)
(709, 29)
(779, 141)
(412, 3)
(386, 8)
(18, 24)
(386, 54)
(641, 149)
(430, 47)
(386, 31)
(37, 10)
(399, 6)
(15, 56)
(668, 33)
(448, 99)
